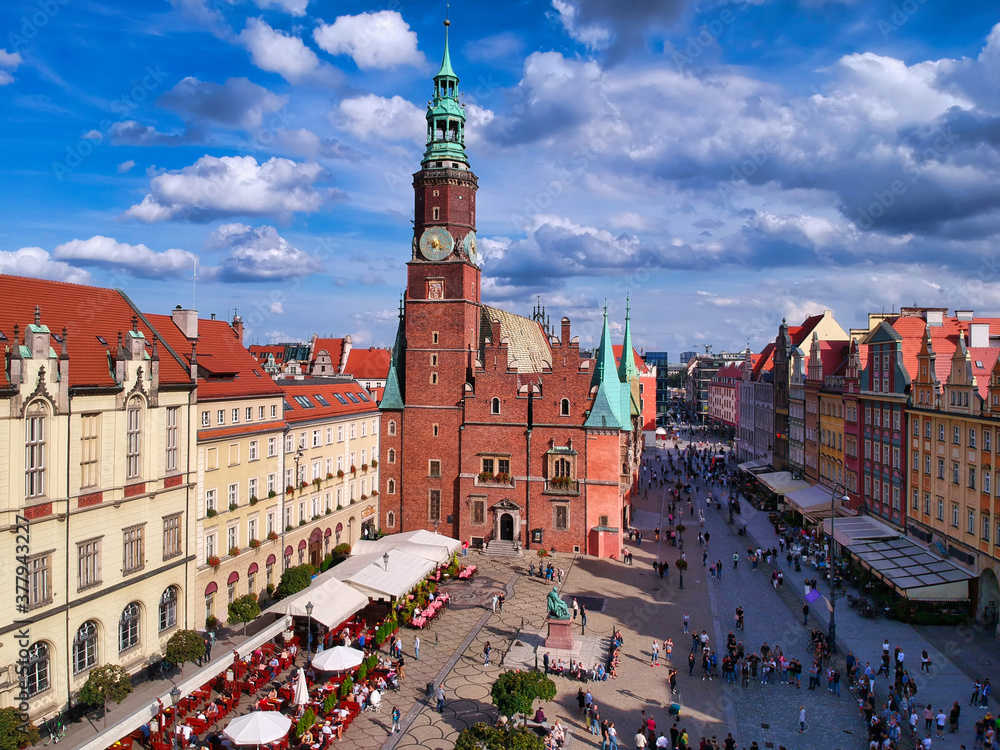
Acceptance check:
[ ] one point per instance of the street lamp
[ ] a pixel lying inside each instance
(385, 561)
(832, 571)
(309, 633)
(175, 698)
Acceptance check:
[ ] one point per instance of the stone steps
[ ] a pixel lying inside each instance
(502, 548)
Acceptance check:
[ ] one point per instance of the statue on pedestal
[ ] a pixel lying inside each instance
(557, 607)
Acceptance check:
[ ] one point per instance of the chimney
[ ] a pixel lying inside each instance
(186, 321)
(964, 314)
(345, 352)
(935, 318)
(979, 335)
(565, 331)
(238, 326)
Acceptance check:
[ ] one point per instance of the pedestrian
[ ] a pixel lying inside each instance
(691, 664)
(440, 698)
(416, 646)
(583, 616)
(545, 662)
(928, 719)
(925, 662)
(560, 576)
(940, 720)
(686, 620)
(985, 693)
(531, 570)
(395, 720)
(953, 715)
(605, 741)
(718, 569)
(613, 735)
(802, 718)
(595, 720)
(500, 602)
(736, 560)
(654, 657)
(805, 614)
(486, 654)
(208, 647)
(976, 687)
(657, 533)
(576, 608)
(640, 738)
(495, 599)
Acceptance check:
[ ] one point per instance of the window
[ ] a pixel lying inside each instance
(316, 470)
(168, 608)
(272, 447)
(220, 417)
(171, 438)
(970, 522)
(941, 432)
(434, 505)
(34, 445)
(434, 469)
(390, 520)
(564, 407)
(987, 479)
(478, 511)
(85, 647)
(234, 495)
(274, 411)
(955, 473)
(392, 427)
(560, 517)
(88, 564)
(972, 477)
(940, 509)
(391, 456)
(495, 406)
(354, 431)
(972, 437)
(133, 452)
(35, 675)
(364, 429)
(236, 416)
(987, 440)
(289, 443)
(916, 428)
(927, 503)
(878, 417)
(128, 627)
(270, 521)
(171, 536)
(895, 458)
(39, 581)
(434, 360)
(316, 438)
(985, 533)
(434, 337)
(234, 454)
(329, 435)
(206, 419)
(260, 412)
(957, 436)
(89, 450)
(254, 450)
(233, 537)
(940, 473)
(210, 604)
(927, 464)
(434, 430)
(895, 498)
(248, 415)
(302, 440)
(915, 501)
(927, 429)
(390, 487)
(954, 515)
(210, 499)
(250, 583)
(133, 558)
(562, 468)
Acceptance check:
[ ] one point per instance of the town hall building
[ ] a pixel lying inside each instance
(495, 431)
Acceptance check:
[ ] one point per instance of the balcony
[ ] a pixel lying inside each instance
(562, 486)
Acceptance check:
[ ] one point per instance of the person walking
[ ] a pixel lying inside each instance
(605, 740)
(805, 614)
(439, 694)
(486, 654)
(686, 621)
(640, 739)
(940, 720)
(395, 720)
(654, 656)
(500, 601)
(416, 647)
(925, 662)
(984, 694)
(576, 608)
(545, 662)
(802, 719)
(495, 599)
(583, 616)
(595, 718)
(736, 560)
(613, 735)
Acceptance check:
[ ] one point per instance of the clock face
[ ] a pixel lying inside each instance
(472, 248)
(436, 243)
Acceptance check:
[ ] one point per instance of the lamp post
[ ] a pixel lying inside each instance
(175, 698)
(309, 633)
(832, 571)
(385, 561)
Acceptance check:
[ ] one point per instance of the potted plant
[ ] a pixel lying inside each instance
(214, 561)
(302, 522)
(234, 551)
(374, 493)
(354, 469)
(316, 517)
(289, 490)
(254, 543)
(316, 482)
(485, 476)
(374, 463)
(233, 506)
(329, 475)
(340, 473)
(272, 493)
(364, 467)
(288, 527)
(328, 511)
(253, 499)
(272, 535)
(363, 497)
(211, 513)
(303, 484)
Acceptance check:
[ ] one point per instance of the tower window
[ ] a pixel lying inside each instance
(495, 406)
(436, 213)
(436, 193)
(434, 337)
(564, 407)
(434, 360)
(434, 378)
(434, 430)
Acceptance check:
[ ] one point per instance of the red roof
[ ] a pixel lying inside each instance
(226, 369)
(245, 429)
(260, 352)
(368, 364)
(763, 361)
(328, 390)
(88, 314)
(639, 363)
(833, 357)
(333, 347)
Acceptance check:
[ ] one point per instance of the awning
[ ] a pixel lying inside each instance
(439, 554)
(369, 574)
(758, 463)
(422, 536)
(781, 482)
(848, 531)
(814, 502)
(913, 571)
(333, 601)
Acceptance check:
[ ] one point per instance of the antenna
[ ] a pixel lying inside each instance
(194, 286)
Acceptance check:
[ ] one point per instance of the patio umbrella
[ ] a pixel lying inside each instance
(338, 659)
(258, 728)
(301, 689)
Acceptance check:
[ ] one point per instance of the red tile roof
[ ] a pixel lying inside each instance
(763, 361)
(260, 352)
(226, 370)
(333, 347)
(86, 312)
(833, 357)
(246, 429)
(368, 364)
(329, 390)
(640, 365)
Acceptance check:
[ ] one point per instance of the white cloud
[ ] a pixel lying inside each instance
(230, 186)
(126, 166)
(381, 40)
(138, 260)
(237, 103)
(277, 52)
(38, 264)
(277, 308)
(593, 36)
(302, 142)
(259, 254)
(8, 61)
(93, 135)
(371, 116)
(291, 7)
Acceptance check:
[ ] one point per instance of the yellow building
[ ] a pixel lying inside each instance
(831, 431)
(97, 486)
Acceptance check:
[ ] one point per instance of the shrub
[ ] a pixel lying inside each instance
(340, 473)
(345, 688)
(482, 736)
(329, 703)
(514, 692)
(13, 735)
(212, 623)
(305, 723)
(253, 499)
(342, 550)
(294, 580)
(211, 513)
(109, 682)
(184, 646)
(272, 493)
(244, 609)
(233, 506)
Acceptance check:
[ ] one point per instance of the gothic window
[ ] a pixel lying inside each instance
(478, 511)
(564, 407)
(560, 519)
(562, 468)
(391, 487)
(495, 406)
(434, 505)
(390, 520)
(34, 449)
(168, 608)
(35, 677)
(85, 647)
(133, 434)
(391, 456)
(128, 627)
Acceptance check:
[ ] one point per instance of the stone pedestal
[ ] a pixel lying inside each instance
(560, 634)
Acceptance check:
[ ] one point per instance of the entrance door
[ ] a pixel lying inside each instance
(315, 554)
(507, 527)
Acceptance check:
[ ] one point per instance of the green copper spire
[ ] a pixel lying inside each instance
(445, 119)
(607, 408)
(392, 395)
(628, 373)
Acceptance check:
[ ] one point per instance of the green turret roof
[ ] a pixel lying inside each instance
(607, 408)
(628, 373)
(446, 69)
(445, 118)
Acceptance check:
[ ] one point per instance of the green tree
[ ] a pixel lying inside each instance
(484, 737)
(514, 692)
(306, 722)
(106, 683)
(184, 646)
(294, 580)
(244, 609)
(12, 737)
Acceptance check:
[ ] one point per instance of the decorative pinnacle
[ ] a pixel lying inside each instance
(628, 306)
(400, 307)
(38, 315)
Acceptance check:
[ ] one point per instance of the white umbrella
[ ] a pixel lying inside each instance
(301, 689)
(258, 728)
(337, 659)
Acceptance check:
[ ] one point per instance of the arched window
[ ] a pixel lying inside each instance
(390, 519)
(564, 407)
(35, 677)
(392, 455)
(128, 627)
(562, 467)
(133, 434)
(495, 406)
(390, 487)
(34, 449)
(168, 608)
(392, 426)
(85, 647)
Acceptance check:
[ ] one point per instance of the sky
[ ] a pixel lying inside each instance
(723, 164)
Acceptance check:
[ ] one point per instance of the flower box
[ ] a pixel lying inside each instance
(254, 543)
(234, 551)
(272, 536)
(214, 562)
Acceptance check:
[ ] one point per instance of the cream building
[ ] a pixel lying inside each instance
(97, 486)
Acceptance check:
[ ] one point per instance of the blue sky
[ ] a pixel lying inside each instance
(728, 163)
